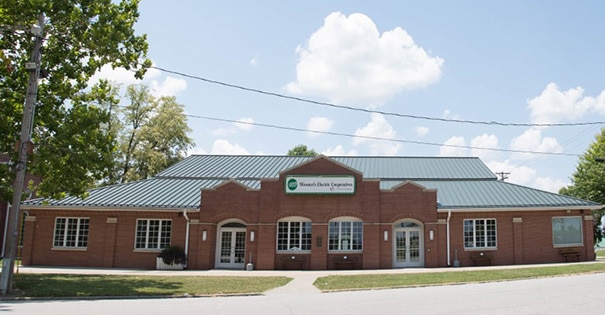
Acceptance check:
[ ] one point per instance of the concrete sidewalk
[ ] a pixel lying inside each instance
(302, 281)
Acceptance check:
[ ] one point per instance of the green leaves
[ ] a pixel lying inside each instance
(154, 135)
(588, 181)
(74, 136)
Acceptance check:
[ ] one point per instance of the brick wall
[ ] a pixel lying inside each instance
(523, 237)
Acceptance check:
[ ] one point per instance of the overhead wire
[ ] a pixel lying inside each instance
(378, 138)
(352, 108)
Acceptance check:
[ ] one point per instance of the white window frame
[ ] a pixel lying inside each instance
(301, 242)
(348, 234)
(61, 237)
(150, 242)
(480, 236)
(561, 224)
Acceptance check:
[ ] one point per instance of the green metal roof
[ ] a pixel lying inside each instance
(461, 183)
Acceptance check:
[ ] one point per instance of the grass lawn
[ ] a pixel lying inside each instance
(52, 285)
(376, 281)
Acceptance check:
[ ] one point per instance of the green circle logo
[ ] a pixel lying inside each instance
(292, 184)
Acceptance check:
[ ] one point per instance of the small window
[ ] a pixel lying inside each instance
(567, 231)
(153, 234)
(345, 236)
(294, 235)
(71, 232)
(479, 233)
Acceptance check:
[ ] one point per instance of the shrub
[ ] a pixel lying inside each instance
(173, 255)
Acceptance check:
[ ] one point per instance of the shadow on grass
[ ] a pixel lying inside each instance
(63, 285)
(52, 285)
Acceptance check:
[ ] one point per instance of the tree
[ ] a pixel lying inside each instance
(152, 135)
(301, 150)
(588, 181)
(74, 145)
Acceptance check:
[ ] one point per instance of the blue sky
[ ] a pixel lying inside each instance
(523, 62)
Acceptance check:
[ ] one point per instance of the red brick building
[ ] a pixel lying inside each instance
(283, 212)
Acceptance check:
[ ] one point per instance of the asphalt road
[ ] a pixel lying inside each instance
(580, 294)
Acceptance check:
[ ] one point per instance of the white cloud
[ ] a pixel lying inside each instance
(254, 62)
(347, 60)
(447, 114)
(520, 175)
(221, 146)
(222, 132)
(339, 150)
(526, 176)
(485, 141)
(170, 86)
(378, 127)
(454, 146)
(550, 184)
(555, 106)
(196, 150)
(532, 140)
(321, 124)
(421, 131)
(245, 123)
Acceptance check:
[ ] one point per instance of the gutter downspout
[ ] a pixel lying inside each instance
(449, 215)
(186, 237)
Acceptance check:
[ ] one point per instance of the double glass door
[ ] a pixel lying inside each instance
(232, 248)
(408, 247)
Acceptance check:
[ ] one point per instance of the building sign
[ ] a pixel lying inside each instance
(300, 184)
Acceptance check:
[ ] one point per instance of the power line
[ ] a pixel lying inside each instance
(379, 138)
(299, 99)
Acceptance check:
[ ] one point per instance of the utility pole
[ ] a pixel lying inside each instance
(503, 175)
(24, 145)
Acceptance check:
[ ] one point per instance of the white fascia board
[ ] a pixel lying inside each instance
(121, 209)
(519, 209)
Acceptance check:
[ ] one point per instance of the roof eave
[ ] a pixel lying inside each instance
(109, 208)
(519, 209)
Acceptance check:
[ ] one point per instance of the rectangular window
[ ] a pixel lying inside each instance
(480, 233)
(293, 236)
(153, 234)
(345, 236)
(567, 231)
(71, 232)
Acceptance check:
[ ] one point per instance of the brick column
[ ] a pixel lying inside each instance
(589, 235)
(518, 240)
(28, 238)
(109, 252)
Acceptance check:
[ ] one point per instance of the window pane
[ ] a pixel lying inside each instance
(153, 234)
(59, 231)
(479, 233)
(71, 232)
(345, 235)
(469, 234)
(567, 230)
(333, 239)
(306, 236)
(295, 235)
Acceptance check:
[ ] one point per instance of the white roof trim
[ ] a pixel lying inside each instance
(518, 209)
(122, 209)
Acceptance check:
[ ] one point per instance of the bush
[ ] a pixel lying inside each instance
(173, 255)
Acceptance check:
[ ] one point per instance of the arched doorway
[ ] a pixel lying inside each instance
(231, 246)
(408, 245)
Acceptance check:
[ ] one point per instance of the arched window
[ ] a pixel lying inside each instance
(294, 234)
(345, 234)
